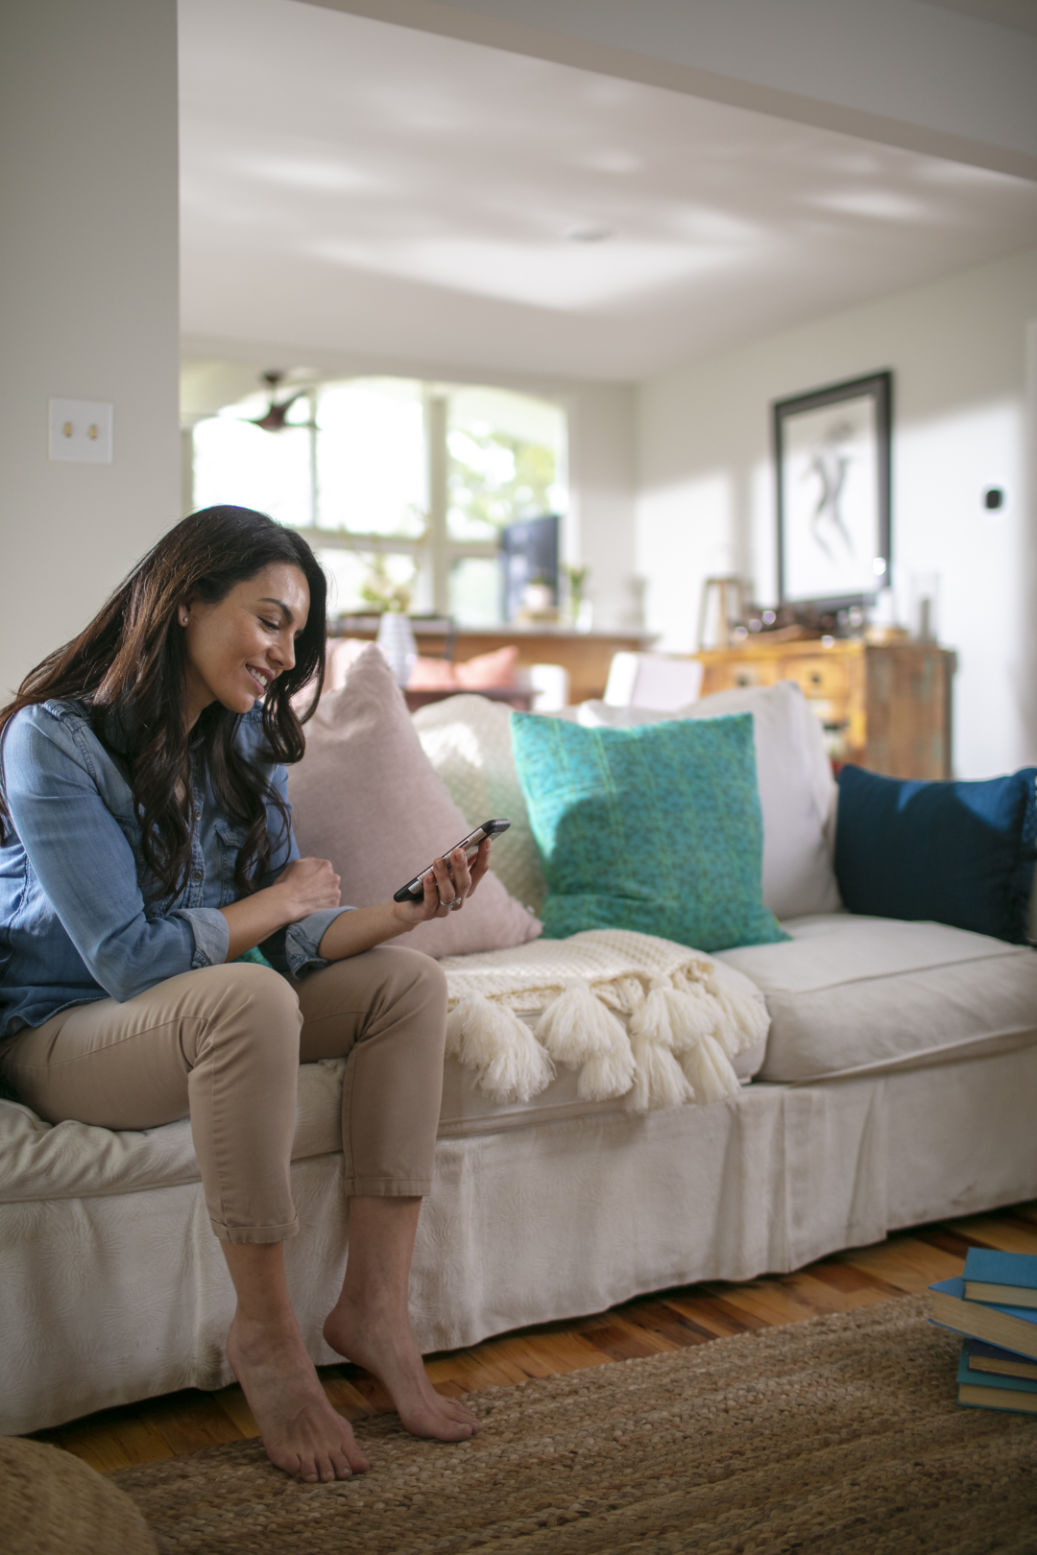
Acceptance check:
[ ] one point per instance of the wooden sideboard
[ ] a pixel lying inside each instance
(886, 706)
(586, 656)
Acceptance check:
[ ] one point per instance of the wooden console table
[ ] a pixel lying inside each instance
(511, 696)
(586, 656)
(886, 706)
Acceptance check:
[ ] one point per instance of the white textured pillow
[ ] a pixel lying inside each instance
(797, 789)
(468, 741)
(366, 797)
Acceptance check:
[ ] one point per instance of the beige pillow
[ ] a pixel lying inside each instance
(366, 797)
(468, 741)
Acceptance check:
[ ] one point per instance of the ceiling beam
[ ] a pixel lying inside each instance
(920, 76)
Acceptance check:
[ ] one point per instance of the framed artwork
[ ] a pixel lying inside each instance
(832, 459)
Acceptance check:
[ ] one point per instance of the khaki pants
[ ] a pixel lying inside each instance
(223, 1044)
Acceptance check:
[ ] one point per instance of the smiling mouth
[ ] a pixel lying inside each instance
(259, 678)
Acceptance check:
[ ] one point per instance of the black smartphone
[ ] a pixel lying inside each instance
(415, 887)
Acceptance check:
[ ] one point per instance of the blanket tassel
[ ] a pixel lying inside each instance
(709, 1070)
(578, 1030)
(660, 1080)
(509, 1063)
(691, 1019)
(745, 1019)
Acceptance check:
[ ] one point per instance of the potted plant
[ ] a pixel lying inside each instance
(578, 606)
(391, 597)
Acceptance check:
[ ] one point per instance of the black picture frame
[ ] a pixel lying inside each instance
(832, 459)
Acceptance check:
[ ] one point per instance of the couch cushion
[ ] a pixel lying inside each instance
(366, 797)
(655, 828)
(72, 1160)
(856, 995)
(797, 790)
(959, 853)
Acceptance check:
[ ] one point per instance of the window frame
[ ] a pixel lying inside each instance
(435, 552)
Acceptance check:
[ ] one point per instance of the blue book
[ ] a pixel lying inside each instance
(1010, 1279)
(1013, 1328)
(990, 1358)
(994, 1392)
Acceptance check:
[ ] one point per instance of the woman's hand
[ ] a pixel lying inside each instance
(307, 885)
(446, 889)
(452, 881)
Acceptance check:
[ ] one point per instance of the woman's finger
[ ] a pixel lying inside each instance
(480, 864)
(445, 889)
(459, 871)
(452, 880)
(460, 881)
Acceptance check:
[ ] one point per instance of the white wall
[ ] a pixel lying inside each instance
(89, 306)
(600, 526)
(958, 351)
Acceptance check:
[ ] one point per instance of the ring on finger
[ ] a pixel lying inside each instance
(457, 902)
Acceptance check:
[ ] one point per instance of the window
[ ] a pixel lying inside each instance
(401, 487)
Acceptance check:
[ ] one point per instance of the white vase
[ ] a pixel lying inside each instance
(396, 640)
(538, 598)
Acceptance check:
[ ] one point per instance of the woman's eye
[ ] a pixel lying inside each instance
(271, 626)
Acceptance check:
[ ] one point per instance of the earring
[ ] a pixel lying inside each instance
(183, 618)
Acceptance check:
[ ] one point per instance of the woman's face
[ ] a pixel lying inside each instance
(237, 647)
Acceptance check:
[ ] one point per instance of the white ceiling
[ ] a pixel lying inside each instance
(354, 189)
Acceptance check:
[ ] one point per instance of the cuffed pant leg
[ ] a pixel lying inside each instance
(386, 1010)
(220, 1043)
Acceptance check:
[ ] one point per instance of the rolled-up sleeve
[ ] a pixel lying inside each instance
(211, 934)
(301, 940)
(293, 949)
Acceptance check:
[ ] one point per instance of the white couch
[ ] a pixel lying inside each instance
(895, 1086)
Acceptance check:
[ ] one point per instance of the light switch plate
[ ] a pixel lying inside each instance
(81, 430)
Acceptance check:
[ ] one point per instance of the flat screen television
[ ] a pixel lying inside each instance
(529, 550)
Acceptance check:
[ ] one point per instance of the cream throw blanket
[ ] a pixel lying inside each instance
(637, 1016)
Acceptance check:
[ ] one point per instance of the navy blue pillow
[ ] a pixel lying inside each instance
(957, 853)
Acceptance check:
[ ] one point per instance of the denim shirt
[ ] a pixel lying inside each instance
(77, 920)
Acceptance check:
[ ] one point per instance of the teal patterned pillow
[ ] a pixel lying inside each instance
(655, 828)
(256, 955)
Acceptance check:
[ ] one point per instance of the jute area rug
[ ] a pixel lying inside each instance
(837, 1435)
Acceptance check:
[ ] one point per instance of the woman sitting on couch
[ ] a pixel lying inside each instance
(147, 851)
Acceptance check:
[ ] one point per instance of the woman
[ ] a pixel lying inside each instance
(146, 849)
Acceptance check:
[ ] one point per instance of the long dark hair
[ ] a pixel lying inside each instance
(127, 668)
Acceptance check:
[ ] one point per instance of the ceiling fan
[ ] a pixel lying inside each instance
(274, 418)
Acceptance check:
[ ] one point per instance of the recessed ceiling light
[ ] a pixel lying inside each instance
(589, 234)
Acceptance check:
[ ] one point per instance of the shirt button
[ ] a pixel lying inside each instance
(196, 874)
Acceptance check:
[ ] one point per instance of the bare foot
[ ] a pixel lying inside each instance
(301, 1431)
(390, 1351)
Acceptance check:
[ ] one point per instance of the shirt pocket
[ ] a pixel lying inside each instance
(228, 840)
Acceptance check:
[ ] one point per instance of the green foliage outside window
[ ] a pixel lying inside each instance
(495, 478)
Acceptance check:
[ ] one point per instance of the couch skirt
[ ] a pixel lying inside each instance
(113, 1288)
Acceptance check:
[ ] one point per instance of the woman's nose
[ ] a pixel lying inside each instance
(282, 652)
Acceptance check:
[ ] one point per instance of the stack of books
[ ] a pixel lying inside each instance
(994, 1304)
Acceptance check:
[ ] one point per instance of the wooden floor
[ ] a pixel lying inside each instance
(905, 1263)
